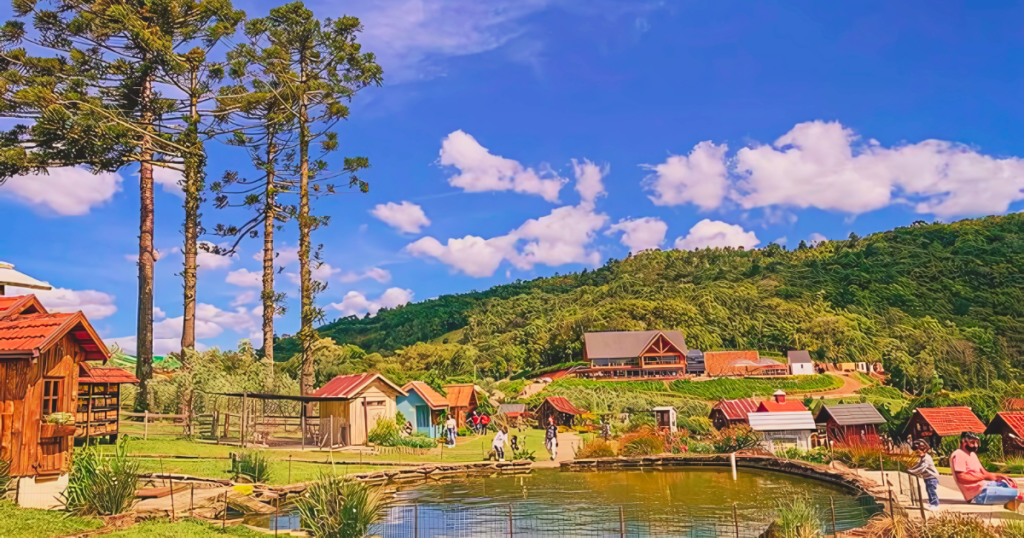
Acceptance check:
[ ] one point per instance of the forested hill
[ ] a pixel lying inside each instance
(936, 303)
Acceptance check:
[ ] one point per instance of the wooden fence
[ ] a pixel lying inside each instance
(232, 428)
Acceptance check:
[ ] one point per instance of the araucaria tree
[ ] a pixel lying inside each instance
(96, 101)
(313, 69)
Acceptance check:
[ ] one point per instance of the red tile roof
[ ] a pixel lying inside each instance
(1013, 404)
(771, 406)
(93, 374)
(461, 395)
(1013, 419)
(737, 409)
(947, 421)
(429, 395)
(27, 330)
(735, 363)
(349, 386)
(563, 405)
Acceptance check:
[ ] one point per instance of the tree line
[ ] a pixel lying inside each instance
(111, 85)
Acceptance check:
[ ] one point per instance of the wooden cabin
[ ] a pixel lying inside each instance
(351, 405)
(666, 418)
(99, 400)
(850, 424)
(932, 424)
(728, 413)
(461, 401)
(563, 411)
(40, 354)
(422, 406)
(1010, 426)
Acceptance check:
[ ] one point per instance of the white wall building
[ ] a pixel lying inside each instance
(800, 363)
(783, 430)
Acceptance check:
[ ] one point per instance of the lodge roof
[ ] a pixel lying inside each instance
(460, 395)
(782, 421)
(27, 329)
(563, 405)
(349, 386)
(850, 414)
(948, 421)
(434, 400)
(626, 344)
(799, 357)
(737, 409)
(771, 406)
(1012, 419)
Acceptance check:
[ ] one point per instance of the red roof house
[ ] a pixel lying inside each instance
(356, 403)
(461, 401)
(779, 403)
(1010, 425)
(559, 408)
(741, 363)
(40, 353)
(728, 413)
(932, 424)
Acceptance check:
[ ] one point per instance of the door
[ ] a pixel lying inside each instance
(375, 410)
(423, 419)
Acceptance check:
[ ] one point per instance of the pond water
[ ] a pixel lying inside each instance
(670, 502)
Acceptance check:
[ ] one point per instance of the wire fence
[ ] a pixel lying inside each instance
(838, 514)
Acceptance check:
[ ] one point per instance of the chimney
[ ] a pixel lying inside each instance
(780, 397)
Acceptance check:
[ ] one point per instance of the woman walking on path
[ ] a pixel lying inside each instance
(498, 445)
(925, 469)
(450, 426)
(551, 438)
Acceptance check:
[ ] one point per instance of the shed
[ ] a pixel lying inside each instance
(800, 362)
(512, 411)
(934, 423)
(461, 401)
(39, 357)
(1009, 425)
(563, 411)
(665, 418)
(727, 413)
(782, 430)
(353, 404)
(422, 406)
(99, 401)
(850, 424)
(779, 403)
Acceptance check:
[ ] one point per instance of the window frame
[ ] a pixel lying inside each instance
(53, 400)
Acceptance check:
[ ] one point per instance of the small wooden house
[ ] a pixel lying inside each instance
(850, 424)
(99, 400)
(665, 418)
(40, 354)
(779, 404)
(785, 429)
(727, 413)
(932, 424)
(800, 362)
(461, 401)
(563, 411)
(1009, 425)
(422, 406)
(352, 406)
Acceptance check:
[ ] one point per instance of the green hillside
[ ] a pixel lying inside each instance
(938, 304)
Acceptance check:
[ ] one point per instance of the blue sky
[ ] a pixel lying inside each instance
(514, 139)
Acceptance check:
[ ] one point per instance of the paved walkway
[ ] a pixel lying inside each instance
(568, 442)
(950, 498)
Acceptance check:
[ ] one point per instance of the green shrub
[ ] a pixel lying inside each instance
(643, 446)
(102, 485)
(417, 442)
(798, 518)
(524, 454)
(336, 507)
(695, 425)
(385, 433)
(700, 447)
(596, 448)
(817, 455)
(252, 465)
(1014, 465)
(399, 420)
(639, 420)
(958, 525)
(465, 431)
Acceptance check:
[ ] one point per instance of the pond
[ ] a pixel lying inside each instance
(693, 502)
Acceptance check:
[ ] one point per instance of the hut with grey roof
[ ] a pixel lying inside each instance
(850, 424)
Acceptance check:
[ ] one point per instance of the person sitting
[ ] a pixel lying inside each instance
(977, 485)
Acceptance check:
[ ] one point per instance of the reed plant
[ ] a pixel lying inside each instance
(1014, 465)
(252, 465)
(337, 507)
(101, 484)
(595, 448)
(797, 517)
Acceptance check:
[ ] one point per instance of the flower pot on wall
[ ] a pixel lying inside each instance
(56, 430)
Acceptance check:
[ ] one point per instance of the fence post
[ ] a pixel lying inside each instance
(511, 533)
(224, 518)
(244, 426)
(899, 476)
(332, 432)
(302, 425)
(732, 462)
(832, 501)
(192, 500)
(920, 499)
(216, 419)
(736, 518)
(145, 425)
(622, 523)
(416, 520)
(173, 515)
(289, 468)
(277, 516)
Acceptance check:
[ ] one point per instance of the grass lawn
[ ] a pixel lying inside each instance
(186, 527)
(22, 523)
(467, 449)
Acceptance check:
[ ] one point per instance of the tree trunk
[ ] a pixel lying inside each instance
(305, 225)
(269, 305)
(144, 329)
(193, 197)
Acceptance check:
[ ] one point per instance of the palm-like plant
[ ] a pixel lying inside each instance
(101, 485)
(337, 507)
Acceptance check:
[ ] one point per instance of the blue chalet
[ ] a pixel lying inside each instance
(423, 407)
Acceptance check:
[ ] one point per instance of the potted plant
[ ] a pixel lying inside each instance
(57, 425)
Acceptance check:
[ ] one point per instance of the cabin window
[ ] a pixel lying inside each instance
(374, 403)
(51, 396)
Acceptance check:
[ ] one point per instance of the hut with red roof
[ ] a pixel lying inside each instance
(1009, 425)
(99, 399)
(351, 405)
(422, 406)
(461, 401)
(779, 404)
(40, 356)
(728, 413)
(561, 409)
(934, 423)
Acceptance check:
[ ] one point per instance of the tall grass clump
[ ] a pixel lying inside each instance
(596, 448)
(385, 433)
(101, 484)
(1013, 528)
(337, 507)
(252, 465)
(735, 438)
(796, 518)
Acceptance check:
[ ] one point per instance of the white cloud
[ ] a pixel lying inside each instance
(699, 178)
(405, 216)
(816, 238)
(211, 321)
(244, 298)
(169, 179)
(323, 273)
(716, 234)
(161, 346)
(641, 234)
(589, 180)
(245, 278)
(158, 313)
(781, 241)
(283, 255)
(94, 304)
(480, 171)
(355, 303)
(376, 273)
(65, 191)
(208, 261)
(474, 256)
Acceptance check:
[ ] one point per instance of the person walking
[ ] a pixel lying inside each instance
(485, 420)
(450, 426)
(551, 438)
(925, 469)
(498, 444)
(476, 423)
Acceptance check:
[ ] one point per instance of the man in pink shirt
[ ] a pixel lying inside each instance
(976, 484)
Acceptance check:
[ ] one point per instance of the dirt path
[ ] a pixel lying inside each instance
(850, 387)
(531, 389)
(568, 442)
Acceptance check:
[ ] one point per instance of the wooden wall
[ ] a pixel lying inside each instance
(21, 400)
(355, 413)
